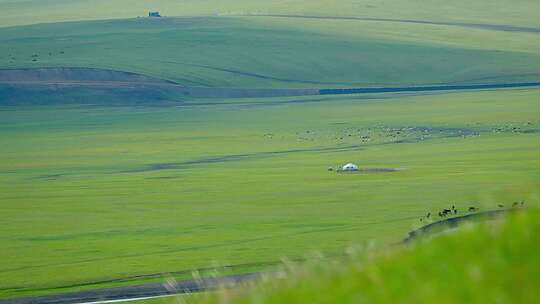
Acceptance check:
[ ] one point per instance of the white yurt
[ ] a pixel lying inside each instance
(350, 167)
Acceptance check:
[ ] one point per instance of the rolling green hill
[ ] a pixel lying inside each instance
(518, 12)
(274, 52)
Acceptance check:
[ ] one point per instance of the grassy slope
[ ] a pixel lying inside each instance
(76, 212)
(517, 12)
(488, 263)
(275, 52)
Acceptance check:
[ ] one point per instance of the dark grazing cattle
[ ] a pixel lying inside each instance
(515, 204)
(500, 205)
(473, 209)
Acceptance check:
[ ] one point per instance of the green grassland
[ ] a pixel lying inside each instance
(265, 52)
(99, 193)
(276, 52)
(492, 262)
(95, 194)
(517, 12)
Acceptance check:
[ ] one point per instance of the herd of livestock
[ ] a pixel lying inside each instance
(454, 211)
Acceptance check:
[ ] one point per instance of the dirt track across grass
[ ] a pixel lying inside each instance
(138, 291)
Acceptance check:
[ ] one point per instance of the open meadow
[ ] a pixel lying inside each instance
(274, 52)
(96, 193)
(112, 178)
(517, 12)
